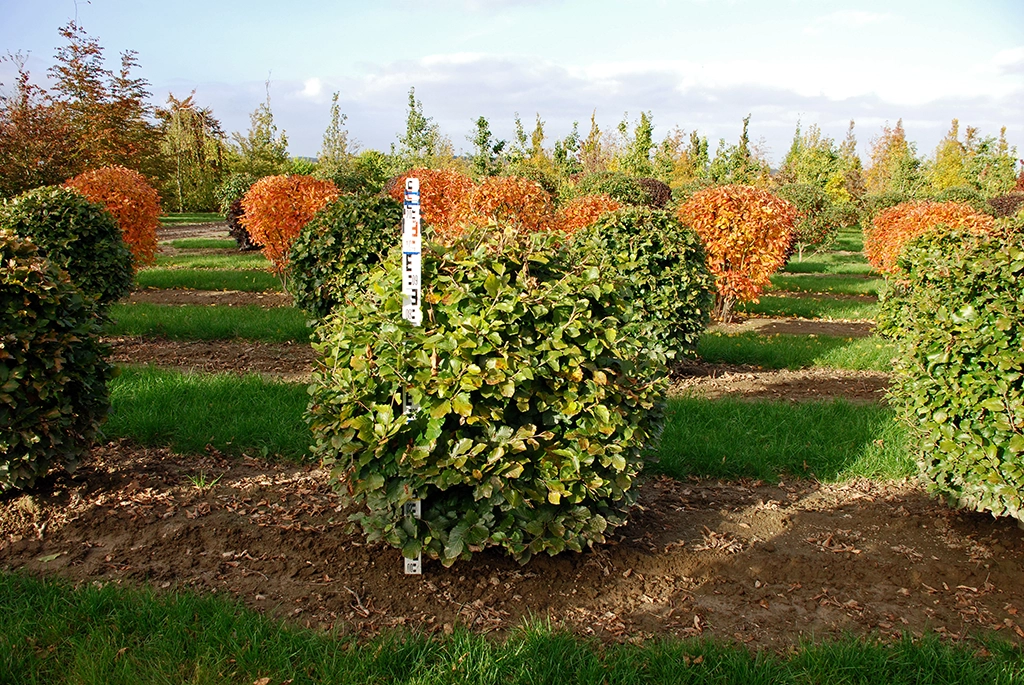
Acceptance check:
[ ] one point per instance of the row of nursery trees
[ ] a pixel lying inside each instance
(541, 367)
(94, 117)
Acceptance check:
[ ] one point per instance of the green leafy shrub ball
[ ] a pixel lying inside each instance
(617, 185)
(341, 243)
(53, 375)
(534, 407)
(662, 264)
(956, 312)
(78, 236)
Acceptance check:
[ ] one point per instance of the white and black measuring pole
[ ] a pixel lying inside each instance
(412, 270)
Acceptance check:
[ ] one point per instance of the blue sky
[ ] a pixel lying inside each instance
(694, 64)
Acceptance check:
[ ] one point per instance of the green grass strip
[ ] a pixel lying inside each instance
(850, 239)
(55, 634)
(206, 322)
(191, 218)
(836, 284)
(811, 307)
(796, 351)
(188, 411)
(830, 262)
(832, 441)
(208, 279)
(229, 260)
(203, 244)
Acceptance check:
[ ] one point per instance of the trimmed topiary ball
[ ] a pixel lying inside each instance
(53, 370)
(663, 266)
(340, 244)
(956, 313)
(615, 184)
(534, 406)
(78, 236)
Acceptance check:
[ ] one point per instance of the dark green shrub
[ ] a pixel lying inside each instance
(965, 195)
(229, 197)
(662, 264)
(534, 407)
(367, 172)
(659, 194)
(53, 375)
(873, 204)
(341, 243)
(78, 236)
(615, 184)
(956, 312)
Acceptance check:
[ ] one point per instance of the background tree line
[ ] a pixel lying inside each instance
(93, 116)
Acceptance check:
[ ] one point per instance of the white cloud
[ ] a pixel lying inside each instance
(312, 88)
(1010, 61)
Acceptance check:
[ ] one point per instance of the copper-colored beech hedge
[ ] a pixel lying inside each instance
(131, 199)
(441, 191)
(746, 233)
(583, 211)
(277, 207)
(893, 228)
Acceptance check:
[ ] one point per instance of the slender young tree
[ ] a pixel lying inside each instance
(195, 143)
(262, 151)
(335, 152)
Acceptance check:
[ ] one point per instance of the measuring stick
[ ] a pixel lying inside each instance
(412, 269)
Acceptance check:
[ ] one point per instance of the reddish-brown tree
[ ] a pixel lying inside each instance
(746, 232)
(277, 207)
(509, 200)
(37, 146)
(131, 199)
(441, 192)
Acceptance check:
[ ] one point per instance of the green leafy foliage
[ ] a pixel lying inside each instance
(341, 243)
(77, 235)
(819, 221)
(53, 393)
(615, 184)
(229, 198)
(534, 405)
(663, 266)
(965, 195)
(957, 316)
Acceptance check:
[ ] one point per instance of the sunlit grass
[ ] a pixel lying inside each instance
(191, 218)
(208, 322)
(203, 244)
(796, 351)
(188, 411)
(230, 260)
(811, 307)
(835, 284)
(208, 279)
(833, 441)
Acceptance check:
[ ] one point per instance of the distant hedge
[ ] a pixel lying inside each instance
(956, 312)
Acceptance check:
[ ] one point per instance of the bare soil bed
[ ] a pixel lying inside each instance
(762, 564)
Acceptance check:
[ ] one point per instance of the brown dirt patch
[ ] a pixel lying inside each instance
(762, 564)
(713, 381)
(225, 298)
(815, 327)
(284, 361)
(180, 231)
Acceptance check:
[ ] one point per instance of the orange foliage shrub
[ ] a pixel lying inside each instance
(746, 233)
(893, 228)
(131, 199)
(510, 200)
(277, 207)
(441, 191)
(583, 211)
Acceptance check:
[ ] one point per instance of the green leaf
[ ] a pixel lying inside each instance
(462, 404)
